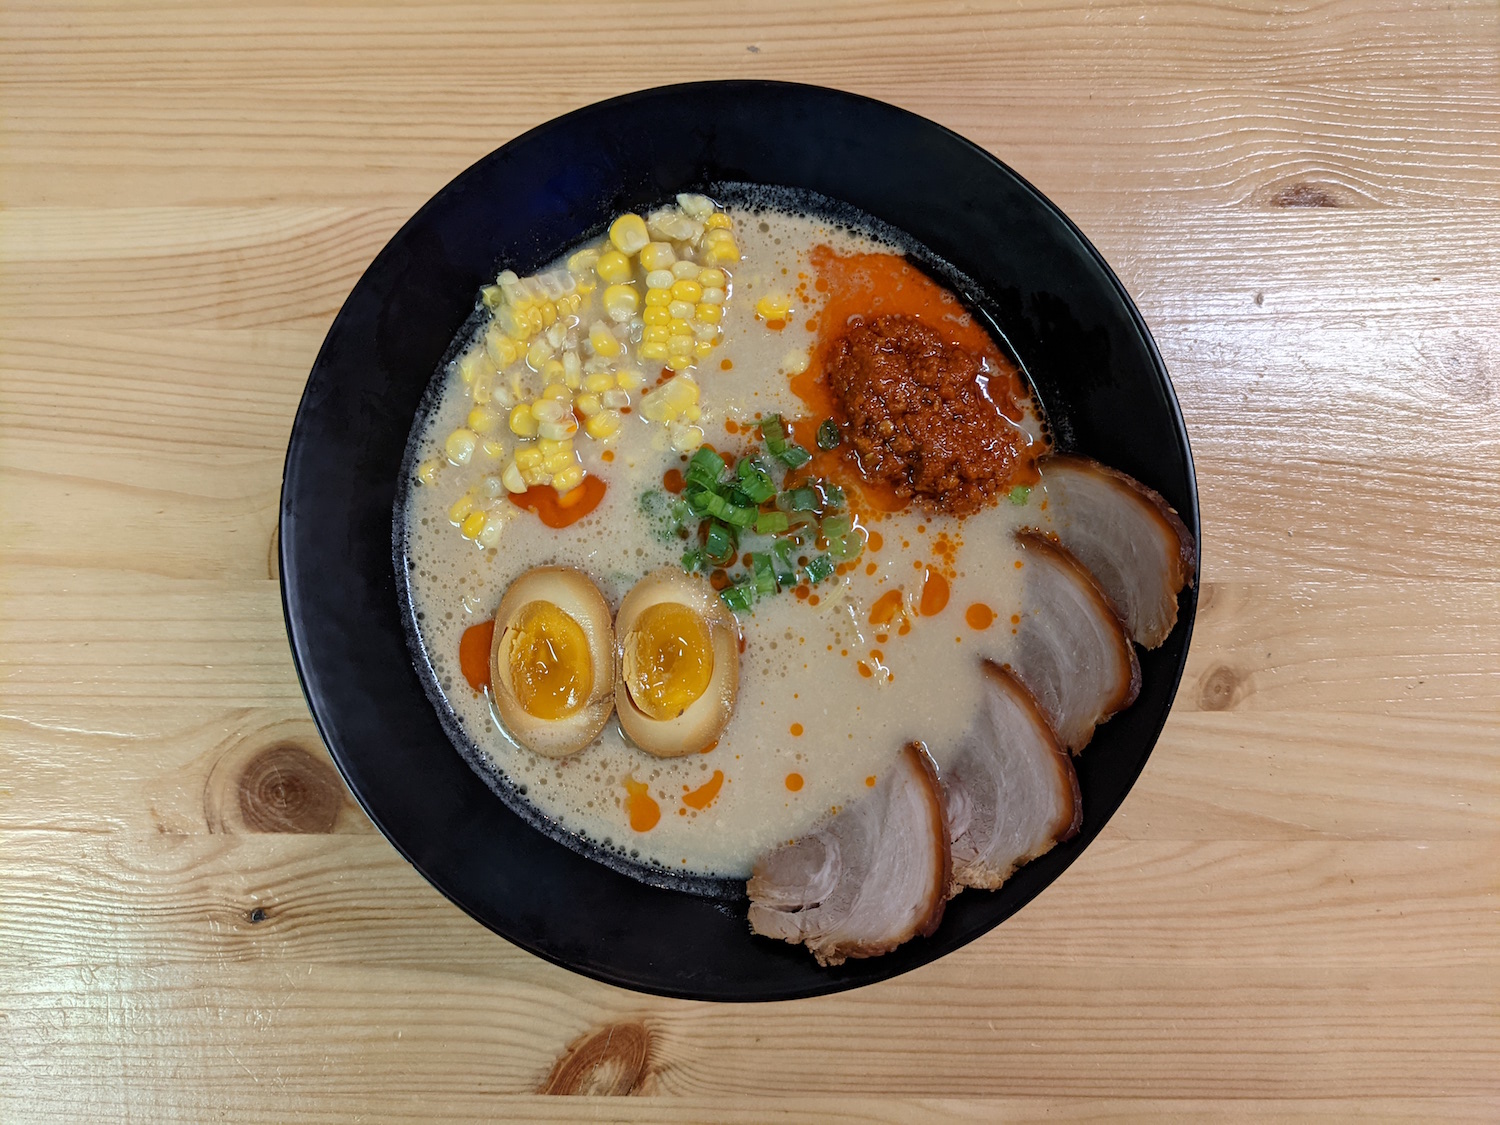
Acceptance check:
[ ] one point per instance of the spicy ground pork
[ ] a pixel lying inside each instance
(918, 415)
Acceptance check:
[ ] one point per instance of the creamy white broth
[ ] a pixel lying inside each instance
(801, 664)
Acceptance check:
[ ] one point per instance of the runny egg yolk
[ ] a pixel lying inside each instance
(551, 668)
(669, 659)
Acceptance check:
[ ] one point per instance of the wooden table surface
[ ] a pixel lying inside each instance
(1294, 915)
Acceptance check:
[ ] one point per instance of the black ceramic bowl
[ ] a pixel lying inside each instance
(1065, 314)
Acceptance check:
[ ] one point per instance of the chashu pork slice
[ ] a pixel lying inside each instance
(1011, 791)
(873, 876)
(1071, 652)
(1131, 540)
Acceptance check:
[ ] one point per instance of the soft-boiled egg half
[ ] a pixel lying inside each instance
(552, 665)
(679, 663)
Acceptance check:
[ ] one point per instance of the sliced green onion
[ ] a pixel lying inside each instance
(846, 548)
(833, 495)
(786, 573)
(774, 433)
(829, 436)
(838, 526)
(819, 568)
(754, 480)
(770, 523)
(1020, 494)
(720, 545)
(707, 463)
(692, 560)
(765, 578)
(738, 597)
(794, 456)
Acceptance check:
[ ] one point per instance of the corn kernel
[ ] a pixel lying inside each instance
(603, 425)
(717, 220)
(656, 314)
(473, 366)
(588, 404)
(460, 445)
(603, 340)
(583, 261)
(598, 382)
(656, 333)
(548, 409)
(489, 487)
(492, 449)
(686, 438)
(620, 302)
(483, 420)
(684, 270)
(712, 279)
(481, 392)
(569, 479)
(713, 295)
(614, 400)
(529, 457)
(659, 279)
(613, 267)
(708, 313)
(535, 476)
(653, 350)
(703, 348)
(680, 310)
(630, 380)
(538, 354)
(658, 297)
(499, 347)
(427, 471)
(512, 478)
(706, 333)
(548, 312)
(698, 207)
(794, 362)
(461, 508)
(687, 290)
(491, 533)
(473, 524)
(657, 256)
(551, 447)
(629, 234)
(680, 345)
(774, 306)
(723, 252)
(673, 224)
(692, 413)
(679, 327)
(559, 430)
(679, 362)
(522, 423)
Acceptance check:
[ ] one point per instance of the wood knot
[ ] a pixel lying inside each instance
(614, 1061)
(285, 789)
(256, 916)
(1220, 689)
(1305, 194)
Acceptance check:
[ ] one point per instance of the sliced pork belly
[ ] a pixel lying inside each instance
(1130, 539)
(873, 876)
(1072, 651)
(1011, 793)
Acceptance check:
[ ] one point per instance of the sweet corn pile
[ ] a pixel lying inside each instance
(568, 348)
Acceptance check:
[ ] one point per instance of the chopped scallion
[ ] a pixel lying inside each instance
(828, 435)
(720, 545)
(794, 456)
(774, 433)
(738, 597)
(1020, 494)
(770, 523)
(765, 578)
(819, 568)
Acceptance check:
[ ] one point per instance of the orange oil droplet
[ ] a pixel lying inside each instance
(1019, 564)
(883, 612)
(561, 511)
(796, 730)
(812, 599)
(726, 364)
(979, 616)
(876, 541)
(871, 568)
(870, 781)
(672, 481)
(642, 808)
(794, 781)
(1015, 618)
(703, 796)
(934, 593)
(607, 455)
(474, 654)
(864, 670)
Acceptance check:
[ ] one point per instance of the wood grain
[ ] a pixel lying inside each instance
(1296, 914)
